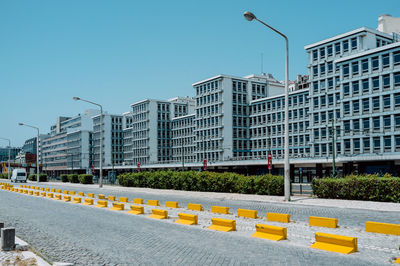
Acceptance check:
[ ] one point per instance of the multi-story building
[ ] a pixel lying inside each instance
(183, 139)
(147, 135)
(113, 152)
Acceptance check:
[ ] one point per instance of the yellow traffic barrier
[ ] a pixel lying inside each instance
(28, 186)
(397, 261)
(58, 190)
(42, 194)
(48, 189)
(101, 196)
(171, 204)
(117, 206)
(30, 192)
(220, 209)
(136, 210)
(67, 198)
(88, 202)
(159, 214)
(223, 225)
(57, 197)
(188, 219)
(50, 195)
(25, 191)
(36, 193)
(111, 198)
(42, 188)
(153, 202)
(81, 194)
(123, 199)
(270, 232)
(138, 201)
(66, 192)
(90, 195)
(72, 193)
(278, 217)
(323, 222)
(335, 243)
(77, 200)
(101, 204)
(247, 213)
(383, 228)
(53, 190)
(37, 188)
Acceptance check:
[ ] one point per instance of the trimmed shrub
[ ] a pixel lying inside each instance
(205, 181)
(4, 176)
(42, 177)
(362, 187)
(32, 177)
(73, 178)
(64, 178)
(85, 179)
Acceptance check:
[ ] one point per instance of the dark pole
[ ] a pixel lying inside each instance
(333, 149)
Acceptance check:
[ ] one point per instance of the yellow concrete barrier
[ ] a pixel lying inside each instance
(42, 188)
(171, 204)
(77, 200)
(223, 225)
(42, 194)
(66, 192)
(90, 195)
(136, 210)
(153, 202)
(25, 191)
(101, 196)
(72, 193)
(397, 261)
(138, 201)
(382, 228)
(101, 204)
(111, 198)
(37, 188)
(81, 194)
(48, 189)
(88, 202)
(247, 213)
(270, 232)
(53, 190)
(28, 186)
(322, 222)
(117, 206)
(58, 190)
(159, 214)
(67, 198)
(57, 197)
(188, 219)
(123, 199)
(220, 209)
(335, 243)
(30, 192)
(36, 193)
(50, 195)
(278, 217)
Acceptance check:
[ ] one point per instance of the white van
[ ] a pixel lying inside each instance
(18, 175)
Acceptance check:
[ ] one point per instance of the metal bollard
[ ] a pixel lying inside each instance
(1, 227)
(8, 239)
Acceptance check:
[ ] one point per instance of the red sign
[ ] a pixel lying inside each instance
(269, 161)
(138, 166)
(92, 169)
(205, 164)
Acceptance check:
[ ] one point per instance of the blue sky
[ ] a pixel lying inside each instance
(119, 52)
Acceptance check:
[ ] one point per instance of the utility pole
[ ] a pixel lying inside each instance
(333, 149)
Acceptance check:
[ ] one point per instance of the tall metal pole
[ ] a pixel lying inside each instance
(183, 157)
(250, 16)
(37, 149)
(9, 156)
(333, 149)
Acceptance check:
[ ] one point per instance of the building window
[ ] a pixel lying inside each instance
(322, 69)
(322, 53)
(330, 67)
(315, 71)
(387, 122)
(356, 126)
(356, 87)
(330, 50)
(375, 63)
(385, 61)
(396, 77)
(337, 48)
(354, 44)
(356, 145)
(315, 55)
(396, 58)
(375, 103)
(365, 103)
(346, 89)
(356, 107)
(386, 102)
(345, 70)
(365, 85)
(377, 144)
(376, 123)
(346, 108)
(345, 46)
(367, 144)
(364, 65)
(386, 81)
(397, 100)
(355, 68)
(366, 124)
(375, 83)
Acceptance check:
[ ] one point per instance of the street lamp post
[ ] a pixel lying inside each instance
(250, 16)
(9, 150)
(101, 137)
(37, 149)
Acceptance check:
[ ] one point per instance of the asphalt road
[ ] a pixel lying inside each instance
(90, 236)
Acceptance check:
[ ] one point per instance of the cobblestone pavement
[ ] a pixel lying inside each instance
(87, 235)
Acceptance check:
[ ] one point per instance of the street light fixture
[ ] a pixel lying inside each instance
(37, 149)
(9, 149)
(250, 16)
(101, 136)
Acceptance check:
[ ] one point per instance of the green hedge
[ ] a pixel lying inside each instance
(73, 178)
(4, 176)
(363, 187)
(64, 178)
(85, 179)
(42, 177)
(205, 181)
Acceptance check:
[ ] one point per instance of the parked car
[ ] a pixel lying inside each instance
(19, 175)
